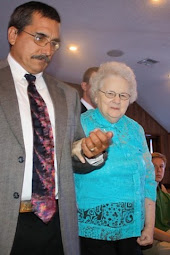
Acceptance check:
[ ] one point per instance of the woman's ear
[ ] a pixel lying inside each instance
(12, 35)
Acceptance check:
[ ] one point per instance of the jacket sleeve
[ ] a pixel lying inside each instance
(89, 165)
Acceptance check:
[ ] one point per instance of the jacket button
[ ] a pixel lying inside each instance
(16, 195)
(20, 159)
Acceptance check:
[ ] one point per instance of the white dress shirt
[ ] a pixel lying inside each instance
(87, 105)
(21, 85)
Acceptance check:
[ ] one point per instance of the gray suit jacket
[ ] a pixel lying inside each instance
(12, 155)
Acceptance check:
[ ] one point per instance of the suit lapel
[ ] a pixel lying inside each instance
(9, 104)
(60, 113)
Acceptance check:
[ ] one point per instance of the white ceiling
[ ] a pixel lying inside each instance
(137, 27)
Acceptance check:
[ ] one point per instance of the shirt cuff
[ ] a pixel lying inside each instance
(95, 161)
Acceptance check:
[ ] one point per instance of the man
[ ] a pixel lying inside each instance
(86, 103)
(39, 128)
(161, 244)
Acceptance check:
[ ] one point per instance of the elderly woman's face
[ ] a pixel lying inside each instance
(113, 109)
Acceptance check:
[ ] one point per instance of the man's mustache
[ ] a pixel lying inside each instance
(41, 57)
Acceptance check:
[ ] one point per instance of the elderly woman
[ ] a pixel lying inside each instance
(116, 203)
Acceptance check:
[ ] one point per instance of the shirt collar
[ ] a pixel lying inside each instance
(87, 105)
(119, 124)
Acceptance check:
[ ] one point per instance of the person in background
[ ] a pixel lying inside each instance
(86, 102)
(161, 244)
(39, 131)
(116, 204)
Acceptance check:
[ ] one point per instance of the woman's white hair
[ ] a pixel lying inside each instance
(113, 68)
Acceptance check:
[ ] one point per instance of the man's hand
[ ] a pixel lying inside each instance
(97, 142)
(77, 151)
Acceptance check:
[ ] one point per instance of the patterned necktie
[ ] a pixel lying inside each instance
(43, 182)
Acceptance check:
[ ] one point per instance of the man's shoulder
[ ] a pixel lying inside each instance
(5, 71)
(3, 63)
(53, 81)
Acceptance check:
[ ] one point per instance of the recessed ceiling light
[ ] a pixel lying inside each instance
(73, 48)
(115, 53)
(158, 2)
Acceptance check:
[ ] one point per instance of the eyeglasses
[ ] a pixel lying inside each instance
(41, 40)
(112, 94)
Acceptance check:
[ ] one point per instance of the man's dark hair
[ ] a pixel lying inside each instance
(88, 73)
(22, 15)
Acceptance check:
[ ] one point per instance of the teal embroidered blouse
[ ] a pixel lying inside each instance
(111, 199)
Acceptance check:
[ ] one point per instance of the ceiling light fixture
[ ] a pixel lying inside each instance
(158, 2)
(73, 48)
(148, 62)
(115, 53)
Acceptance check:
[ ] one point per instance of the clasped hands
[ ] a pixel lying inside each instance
(93, 145)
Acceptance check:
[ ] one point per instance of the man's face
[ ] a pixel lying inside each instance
(159, 165)
(25, 51)
(86, 87)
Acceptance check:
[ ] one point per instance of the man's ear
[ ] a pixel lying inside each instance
(84, 86)
(12, 35)
(95, 99)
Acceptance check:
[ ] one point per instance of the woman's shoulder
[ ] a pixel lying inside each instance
(132, 123)
(88, 121)
(89, 114)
